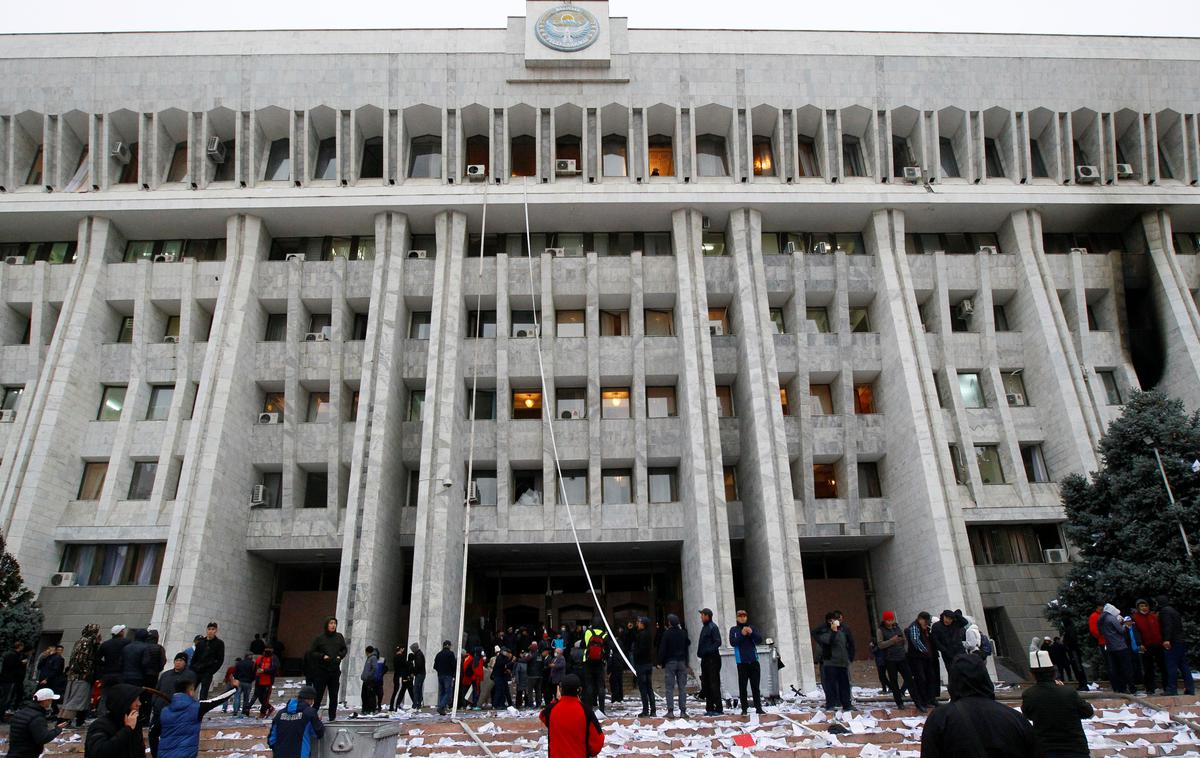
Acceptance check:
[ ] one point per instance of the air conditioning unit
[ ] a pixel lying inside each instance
(294, 257)
(912, 174)
(120, 152)
(1080, 250)
(1087, 174)
(527, 332)
(321, 336)
(989, 250)
(966, 308)
(1015, 398)
(565, 167)
(472, 493)
(171, 339)
(62, 579)
(716, 328)
(7, 416)
(215, 149)
(790, 248)
(258, 494)
(1124, 171)
(477, 172)
(268, 418)
(575, 414)
(557, 252)
(165, 258)
(822, 248)
(1055, 555)
(15, 260)
(418, 253)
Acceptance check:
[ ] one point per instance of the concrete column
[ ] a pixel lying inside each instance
(1177, 314)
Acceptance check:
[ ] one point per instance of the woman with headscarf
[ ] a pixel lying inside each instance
(81, 674)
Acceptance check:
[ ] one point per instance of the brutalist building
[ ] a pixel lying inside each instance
(822, 319)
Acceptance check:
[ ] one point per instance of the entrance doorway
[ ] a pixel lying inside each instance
(305, 595)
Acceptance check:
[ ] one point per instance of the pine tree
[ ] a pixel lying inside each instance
(20, 616)
(1120, 519)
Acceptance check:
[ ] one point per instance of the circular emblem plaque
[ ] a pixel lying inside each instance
(567, 28)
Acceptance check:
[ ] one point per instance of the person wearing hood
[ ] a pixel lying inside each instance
(948, 633)
(367, 677)
(1174, 648)
(1055, 710)
(116, 733)
(180, 719)
(154, 660)
(29, 732)
(327, 650)
(673, 658)
(973, 724)
(895, 654)
(81, 672)
(572, 730)
(296, 726)
(836, 646)
(745, 639)
(167, 682)
(1120, 659)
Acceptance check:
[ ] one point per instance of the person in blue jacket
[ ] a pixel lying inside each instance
(296, 726)
(745, 641)
(180, 721)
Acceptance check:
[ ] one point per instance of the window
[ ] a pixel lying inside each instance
(141, 484)
(272, 484)
(1014, 387)
(868, 479)
(569, 323)
(852, 157)
(527, 404)
(824, 481)
(425, 162)
(783, 401)
(92, 483)
(177, 169)
(419, 325)
(1013, 543)
(819, 318)
(524, 324)
(777, 320)
(279, 161)
(321, 323)
(724, 401)
(112, 401)
(1039, 163)
(485, 486)
(662, 484)
(864, 398)
(567, 147)
(11, 397)
(1112, 391)
(660, 323)
(36, 169)
(729, 475)
(160, 402)
(485, 405)
(172, 327)
(718, 321)
(136, 564)
(764, 159)
(860, 321)
(1092, 321)
(527, 487)
(372, 159)
(820, 399)
(416, 405)
(614, 403)
(326, 159)
(125, 332)
(661, 155)
(571, 402)
(316, 489)
(225, 169)
(710, 155)
(1000, 318)
(413, 497)
(660, 402)
(946, 155)
(987, 457)
(354, 398)
(712, 244)
(808, 156)
(991, 152)
(614, 149)
(479, 153)
(971, 390)
(1035, 463)
(319, 408)
(273, 402)
(481, 324)
(524, 155)
(573, 487)
(614, 323)
(616, 486)
(902, 156)
(129, 174)
(358, 331)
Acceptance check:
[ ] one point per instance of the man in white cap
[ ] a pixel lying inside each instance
(1055, 710)
(29, 731)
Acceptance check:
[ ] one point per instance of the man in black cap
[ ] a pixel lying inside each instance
(166, 684)
(708, 649)
(296, 726)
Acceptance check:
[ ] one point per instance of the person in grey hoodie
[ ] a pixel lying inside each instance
(368, 675)
(836, 646)
(1120, 658)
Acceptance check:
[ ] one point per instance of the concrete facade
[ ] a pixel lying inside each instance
(767, 134)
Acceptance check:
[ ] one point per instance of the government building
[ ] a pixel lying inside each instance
(778, 320)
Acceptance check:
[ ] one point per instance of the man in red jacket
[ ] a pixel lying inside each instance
(573, 729)
(1150, 631)
(1094, 624)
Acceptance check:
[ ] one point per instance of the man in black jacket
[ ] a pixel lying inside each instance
(836, 651)
(166, 683)
(673, 658)
(328, 649)
(445, 665)
(208, 658)
(133, 659)
(52, 671)
(12, 677)
(948, 633)
(1055, 710)
(708, 650)
(110, 652)
(416, 664)
(29, 731)
(116, 733)
(643, 664)
(1174, 648)
(974, 725)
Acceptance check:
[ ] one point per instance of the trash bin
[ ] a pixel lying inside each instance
(768, 679)
(361, 738)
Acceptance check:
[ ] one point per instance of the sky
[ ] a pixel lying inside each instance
(1118, 17)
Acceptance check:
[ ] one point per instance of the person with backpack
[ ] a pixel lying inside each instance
(595, 641)
(572, 728)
